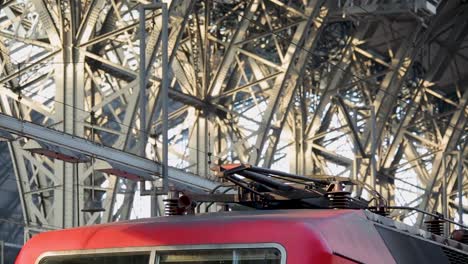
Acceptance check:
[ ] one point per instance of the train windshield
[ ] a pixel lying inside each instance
(192, 256)
(218, 256)
(128, 258)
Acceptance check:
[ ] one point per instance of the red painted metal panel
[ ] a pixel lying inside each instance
(340, 260)
(291, 229)
(354, 237)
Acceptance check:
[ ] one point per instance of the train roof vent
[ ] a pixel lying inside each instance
(455, 257)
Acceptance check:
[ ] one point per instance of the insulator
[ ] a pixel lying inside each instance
(435, 226)
(171, 207)
(338, 199)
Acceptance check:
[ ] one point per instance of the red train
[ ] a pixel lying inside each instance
(279, 236)
(311, 234)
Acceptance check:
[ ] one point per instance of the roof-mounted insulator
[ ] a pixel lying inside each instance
(435, 225)
(338, 198)
(171, 207)
(181, 205)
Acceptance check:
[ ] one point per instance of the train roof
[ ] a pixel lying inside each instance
(309, 234)
(329, 232)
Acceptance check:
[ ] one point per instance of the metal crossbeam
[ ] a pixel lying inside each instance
(145, 168)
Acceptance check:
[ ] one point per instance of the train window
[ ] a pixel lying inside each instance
(130, 258)
(221, 256)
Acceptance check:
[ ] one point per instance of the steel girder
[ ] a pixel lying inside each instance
(78, 100)
(51, 190)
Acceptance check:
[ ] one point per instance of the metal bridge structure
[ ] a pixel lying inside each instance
(372, 90)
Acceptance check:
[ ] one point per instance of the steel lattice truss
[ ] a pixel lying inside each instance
(354, 88)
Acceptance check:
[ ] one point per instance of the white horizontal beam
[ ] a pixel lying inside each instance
(74, 143)
(148, 168)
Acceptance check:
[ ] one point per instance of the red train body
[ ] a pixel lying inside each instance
(300, 236)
